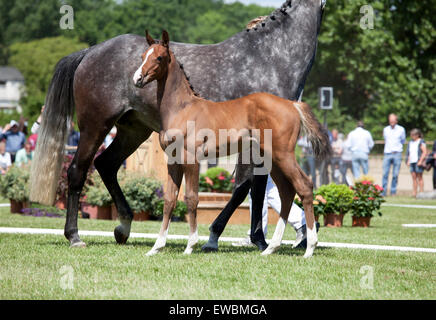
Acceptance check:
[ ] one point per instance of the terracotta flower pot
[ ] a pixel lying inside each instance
(104, 213)
(333, 220)
(90, 209)
(361, 221)
(114, 212)
(141, 216)
(61, 204)
(16, 206)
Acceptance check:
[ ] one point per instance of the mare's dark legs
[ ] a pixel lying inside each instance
(257, 184)
(130, 135)
(217, 227)
(88, 146)
(257, 199)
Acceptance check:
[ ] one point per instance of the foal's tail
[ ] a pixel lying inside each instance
(315, 132)
(53, 133)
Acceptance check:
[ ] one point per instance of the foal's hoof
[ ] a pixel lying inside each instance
(78, 244)
(210, 247)
(120, 237)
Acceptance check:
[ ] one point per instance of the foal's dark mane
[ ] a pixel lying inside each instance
(187, 79)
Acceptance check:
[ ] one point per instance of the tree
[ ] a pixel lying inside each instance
(390, 68)
(36, 60)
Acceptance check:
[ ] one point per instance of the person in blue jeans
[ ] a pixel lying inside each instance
(360, 143)
(394, 136)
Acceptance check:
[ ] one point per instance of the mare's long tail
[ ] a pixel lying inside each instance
(52, 135)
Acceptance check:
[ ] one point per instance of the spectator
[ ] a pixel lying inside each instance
(15, 139)
(346, 162)
(395, 137)
(25, 155)
(415, 155)
(360, 142)
(73, 140)
(37, 123)
(308, 158)
(34, 130)
(110, 137)
(323, 164)
(431, 162)
(337, 147)
(5, 158)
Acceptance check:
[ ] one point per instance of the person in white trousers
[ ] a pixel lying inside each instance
(296, 217)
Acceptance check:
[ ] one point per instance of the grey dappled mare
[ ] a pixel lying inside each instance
(274, 57)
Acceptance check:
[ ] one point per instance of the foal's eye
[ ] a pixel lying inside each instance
(159, 58)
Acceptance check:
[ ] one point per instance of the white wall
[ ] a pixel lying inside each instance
(10, 94)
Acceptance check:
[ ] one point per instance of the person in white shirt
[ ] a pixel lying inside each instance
(416, 154)
(346, 162)
(395, 137)
(360, 143)
(5, 158)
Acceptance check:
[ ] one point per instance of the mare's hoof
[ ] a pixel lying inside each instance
(261, 244)
(120, 237)
(209, 247)
(78, 244)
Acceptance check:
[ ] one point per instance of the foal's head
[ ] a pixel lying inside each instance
(155, 61)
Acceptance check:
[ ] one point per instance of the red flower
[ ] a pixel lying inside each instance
(221, 177)
(366, 182)
(209, 181)
(233, 180)
(378, 187)
(371, 198)
(356, 198)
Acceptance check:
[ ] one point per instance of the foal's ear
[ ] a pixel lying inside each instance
(150, 40)
(165, 39)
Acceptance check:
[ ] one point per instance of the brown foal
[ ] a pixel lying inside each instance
(180, 108)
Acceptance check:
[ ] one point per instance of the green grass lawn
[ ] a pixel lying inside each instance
(38, 266)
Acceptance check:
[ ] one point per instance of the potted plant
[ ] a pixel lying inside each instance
(318, 205)
(62, 189)
(142, 194)
(216, 180)
(338, 200)
(179, 211)
(14, 185)
(98, 200)
(367, 201)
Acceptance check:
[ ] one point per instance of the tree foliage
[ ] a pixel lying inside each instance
(36, 60)
(374, 72)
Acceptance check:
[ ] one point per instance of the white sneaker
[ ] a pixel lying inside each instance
(246, 242)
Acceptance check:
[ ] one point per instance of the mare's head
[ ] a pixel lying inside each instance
(155, 61)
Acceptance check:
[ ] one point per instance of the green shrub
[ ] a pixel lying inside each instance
(97, 193)
(338, 198)
(142, 193)
(179, 211)
(15, 184)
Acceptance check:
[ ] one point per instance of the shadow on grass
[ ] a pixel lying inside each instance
(180, 245)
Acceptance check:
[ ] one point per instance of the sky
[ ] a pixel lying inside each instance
(265, 3)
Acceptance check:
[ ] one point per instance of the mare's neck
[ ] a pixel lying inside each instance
(173, 93)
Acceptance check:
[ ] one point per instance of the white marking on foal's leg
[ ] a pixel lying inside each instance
(192, 241)
(312, 241)
(277, 237)
(160, 243)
